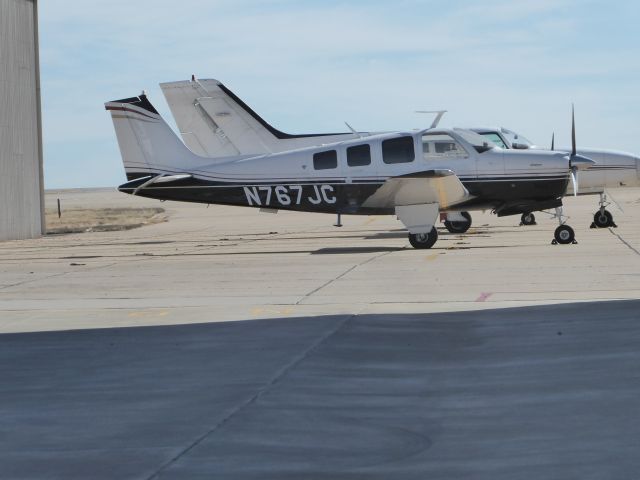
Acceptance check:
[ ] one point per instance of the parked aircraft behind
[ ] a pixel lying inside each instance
(413, 175)
(613, 169)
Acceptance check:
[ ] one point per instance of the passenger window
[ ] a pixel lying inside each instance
(359, 155)
(325, 160)
(398, 150)
(441, 145)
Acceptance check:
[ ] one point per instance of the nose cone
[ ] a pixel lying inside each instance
(581, 162)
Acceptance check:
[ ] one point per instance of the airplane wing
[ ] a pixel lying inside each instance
(430, 186)
(418, 197)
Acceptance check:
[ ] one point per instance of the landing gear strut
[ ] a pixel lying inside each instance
(423, 240)
(603, 218)
(564, 234)
(528, 219)
(459, 226)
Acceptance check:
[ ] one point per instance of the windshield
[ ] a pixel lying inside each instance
(516, 138)
(480, 143)
(495, 138)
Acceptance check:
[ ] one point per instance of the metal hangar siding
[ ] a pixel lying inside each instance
(21, 178)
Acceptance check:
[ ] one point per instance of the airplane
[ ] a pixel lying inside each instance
(412, 174)
(613, 169)
(194, 103)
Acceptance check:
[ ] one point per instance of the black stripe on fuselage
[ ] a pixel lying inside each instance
(335, 196)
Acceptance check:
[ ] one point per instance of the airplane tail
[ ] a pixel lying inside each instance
(147, 144)
(213, 121)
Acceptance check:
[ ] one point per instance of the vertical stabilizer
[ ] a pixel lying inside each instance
(147, 144)
(213, 121)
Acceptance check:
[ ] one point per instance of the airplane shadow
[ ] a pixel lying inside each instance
(346, 250)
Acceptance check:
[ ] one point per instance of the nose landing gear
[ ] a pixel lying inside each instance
(564, 234)
(603, 218)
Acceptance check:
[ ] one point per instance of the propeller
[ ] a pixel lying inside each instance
(553, 141)
(576, 162)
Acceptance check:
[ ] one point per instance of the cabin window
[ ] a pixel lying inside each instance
(398, 150)
(441, 145)
(359, 155)
(325, 160)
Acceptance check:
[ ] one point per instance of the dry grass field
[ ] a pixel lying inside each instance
(76, 220)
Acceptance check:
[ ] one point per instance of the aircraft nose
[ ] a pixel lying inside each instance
(580, 162)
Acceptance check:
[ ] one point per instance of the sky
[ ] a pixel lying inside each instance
(309, 66)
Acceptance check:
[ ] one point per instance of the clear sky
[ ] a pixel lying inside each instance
(308, 66)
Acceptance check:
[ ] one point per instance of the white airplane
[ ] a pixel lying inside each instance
(196, 105)
(414, 175)
(613, 169)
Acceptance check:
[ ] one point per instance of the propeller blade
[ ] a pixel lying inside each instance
(574, 180)
(573, 131)
(553, 141)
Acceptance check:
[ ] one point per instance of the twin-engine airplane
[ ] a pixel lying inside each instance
(414, 175)
(613, 169)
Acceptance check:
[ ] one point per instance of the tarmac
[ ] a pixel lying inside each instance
(279, 346)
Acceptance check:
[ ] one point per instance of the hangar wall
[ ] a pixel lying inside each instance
(21, 179)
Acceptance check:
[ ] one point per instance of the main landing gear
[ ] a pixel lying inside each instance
(459, 226)
(528, 219)
(424, 240)
(564, 234)
(603, 218)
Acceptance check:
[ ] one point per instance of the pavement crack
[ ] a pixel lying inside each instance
(634, 250)
(346, 272)
(273, 382)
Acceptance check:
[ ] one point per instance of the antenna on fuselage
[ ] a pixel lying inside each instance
(353, 130)
(439, 115)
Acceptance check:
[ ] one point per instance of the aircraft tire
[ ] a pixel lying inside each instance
(603, 219)
(457, 226)
(424, 240)
(528, 219)
(564, 235)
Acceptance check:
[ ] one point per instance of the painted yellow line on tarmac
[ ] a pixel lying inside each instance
(255, 311)
(149, 314)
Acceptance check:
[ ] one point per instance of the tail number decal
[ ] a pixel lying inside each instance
(289, 195)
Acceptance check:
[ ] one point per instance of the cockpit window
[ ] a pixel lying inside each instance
(495, 138)
(480, 143)
(441, 145)
(516, 139)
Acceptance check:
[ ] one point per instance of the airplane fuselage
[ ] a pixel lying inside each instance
(343, 176)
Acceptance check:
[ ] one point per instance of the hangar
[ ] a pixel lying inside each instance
(21, 175)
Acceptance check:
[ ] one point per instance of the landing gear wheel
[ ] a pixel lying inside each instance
(423, 240)
(458, 226)
(528, 219)
(564, 235)
(603, 219)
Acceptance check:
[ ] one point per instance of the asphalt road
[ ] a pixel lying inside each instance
(532, 392)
